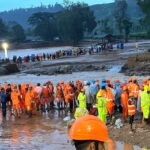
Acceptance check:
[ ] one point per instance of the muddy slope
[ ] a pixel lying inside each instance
(138, 65)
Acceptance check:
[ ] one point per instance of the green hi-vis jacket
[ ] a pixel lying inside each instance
(82, 100)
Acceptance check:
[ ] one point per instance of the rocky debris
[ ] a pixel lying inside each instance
(128, 136)
(66, 69)
(138, 65)
(8, 68)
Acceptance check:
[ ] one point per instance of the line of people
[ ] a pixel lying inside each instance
(103, 99)
(49, 56)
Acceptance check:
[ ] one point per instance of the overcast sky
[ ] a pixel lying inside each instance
(13, 4)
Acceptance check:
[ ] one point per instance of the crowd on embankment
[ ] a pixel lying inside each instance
(101, 98)
(71, 52)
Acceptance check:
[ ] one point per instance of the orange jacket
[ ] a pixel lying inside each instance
(135, 90)
(124, 99)
(28, 98)
(68, 93)
(59, 92)
(51, 89)
(131, 110)
(15, 96)
(109, 101)
(45, 92)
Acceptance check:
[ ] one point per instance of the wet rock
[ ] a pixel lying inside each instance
(11, 68)
(3, 71)
(63, 69)
(138, 65)
(8, 68)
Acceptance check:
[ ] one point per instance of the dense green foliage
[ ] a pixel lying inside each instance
(120, 13)
(145, 5)
(3, 29)
(122, 18)
(17, 33)
(74, 21)
(12, 31)
(70, 24)
(44, 25)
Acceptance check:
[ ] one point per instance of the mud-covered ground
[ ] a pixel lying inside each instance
(48, 132)
(95, 62)
(140, 135)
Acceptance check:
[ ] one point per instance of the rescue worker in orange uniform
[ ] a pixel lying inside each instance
(28, 100)
(37, 95)
(90, 133)
(51, 93)
(124, 103)
(69, 94)
(110, 102)
(135, 89)
(15, 96)
(22, 92)
(59, 96)
(131, 110)
(45, 98)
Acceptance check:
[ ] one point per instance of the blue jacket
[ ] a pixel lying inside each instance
(93, 89)
(3, 97)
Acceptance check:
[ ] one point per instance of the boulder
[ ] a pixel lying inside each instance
(3, 71)
(8, 68)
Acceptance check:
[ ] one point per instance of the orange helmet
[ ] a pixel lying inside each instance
(134, 78)
(130, 79)
(108, 81)
(125, 88)
(116, 81)
(89, 127)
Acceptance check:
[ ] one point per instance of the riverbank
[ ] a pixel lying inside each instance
(140, 136)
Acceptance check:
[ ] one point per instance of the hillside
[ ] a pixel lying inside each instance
(101, 11)
(21, 15)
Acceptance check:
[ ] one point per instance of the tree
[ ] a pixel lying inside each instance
(74, 21)
(3, 29)
(120, 13)
(17, 33)
(44, 25)
(105, 27)
(127, 25)
(145, 5)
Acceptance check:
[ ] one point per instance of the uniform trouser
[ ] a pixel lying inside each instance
(89, 106)
(102, 117)
(146, 111)
(125, 112)
(4, 113)
(71, 106)
(131, 119)
(94, 98)
(4, 110)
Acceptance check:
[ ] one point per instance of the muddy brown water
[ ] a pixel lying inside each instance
(41, 132)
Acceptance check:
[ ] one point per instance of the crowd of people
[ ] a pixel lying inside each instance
(46, 56)
(101, 98)
(49, 56)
